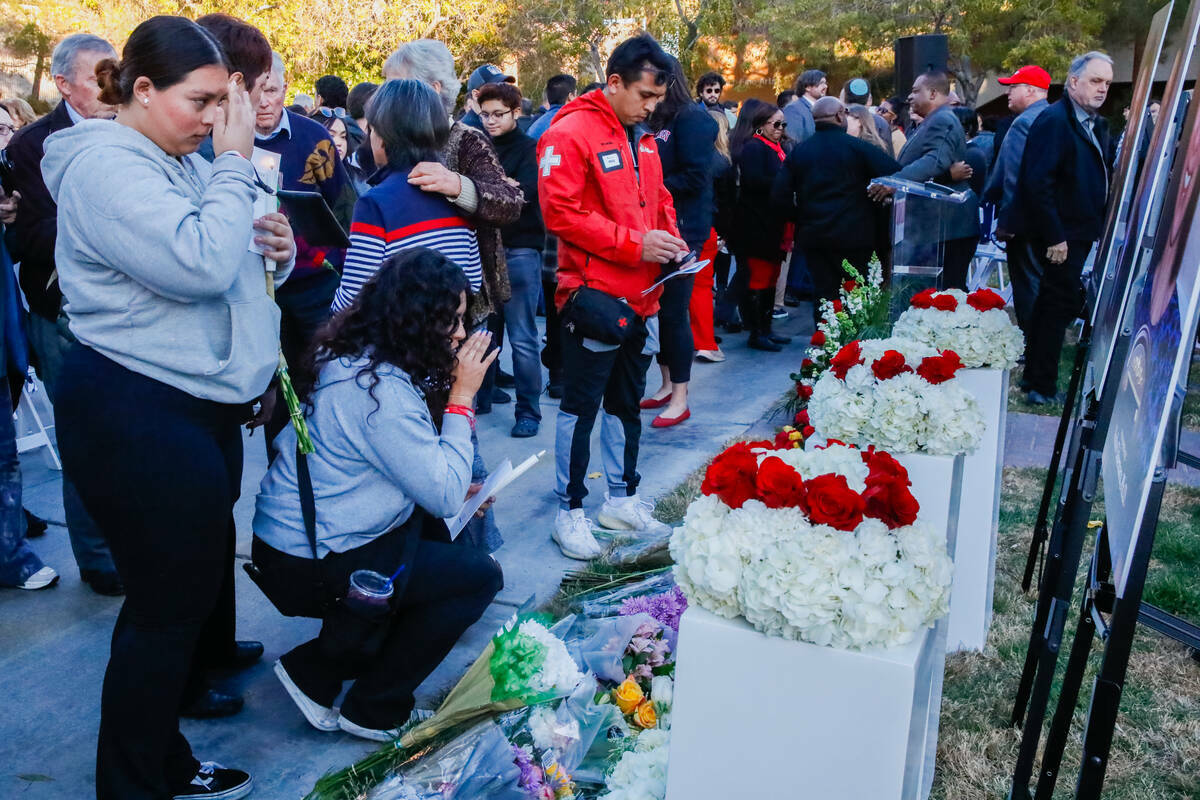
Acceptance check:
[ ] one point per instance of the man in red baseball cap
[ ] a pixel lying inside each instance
(1026, 98)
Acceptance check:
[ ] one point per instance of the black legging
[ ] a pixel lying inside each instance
(676, 346)
(159, 470)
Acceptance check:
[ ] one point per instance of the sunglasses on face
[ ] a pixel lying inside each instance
(340, 113)
(778, 125)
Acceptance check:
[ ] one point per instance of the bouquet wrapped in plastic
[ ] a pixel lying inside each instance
(523, 665)
(476, 765)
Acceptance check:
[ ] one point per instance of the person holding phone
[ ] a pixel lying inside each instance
(176, 336)
(388, 392)
(600, 183)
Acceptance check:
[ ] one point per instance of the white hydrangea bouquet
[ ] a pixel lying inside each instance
(641, 771)
(821, 545)
(975, 326)
(898, 395)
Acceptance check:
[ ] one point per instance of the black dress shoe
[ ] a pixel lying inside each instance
(35, 526)
(244, 655)
(555, 391)
(103, 582)
(718, 339)
(764, 343)
(1039, 399)
(212, 704)
(500, 397)
(779, 338)
(504, 380)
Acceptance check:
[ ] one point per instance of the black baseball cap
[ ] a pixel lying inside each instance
(488, 73)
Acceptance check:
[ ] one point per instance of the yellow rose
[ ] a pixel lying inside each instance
(628, 695)
(644, 716)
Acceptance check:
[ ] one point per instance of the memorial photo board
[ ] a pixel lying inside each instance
(1162, 315)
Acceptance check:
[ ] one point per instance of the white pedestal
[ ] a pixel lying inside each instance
(937, 485)
(979, 515)
(776, 719)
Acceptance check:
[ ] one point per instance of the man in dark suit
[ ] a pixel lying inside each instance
(1062, 195)
(30, 240)
(936, 152)
(822, 187)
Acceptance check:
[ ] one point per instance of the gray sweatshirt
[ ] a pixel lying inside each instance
(372, 465)
(154, 264)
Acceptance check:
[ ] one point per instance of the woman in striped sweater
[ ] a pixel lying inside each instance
(407, 127)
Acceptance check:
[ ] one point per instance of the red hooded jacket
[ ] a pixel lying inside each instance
(599, 204)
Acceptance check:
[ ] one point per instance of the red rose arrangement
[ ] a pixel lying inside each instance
(985, 300)
(849, 356)
(940, 368)
(736, 477)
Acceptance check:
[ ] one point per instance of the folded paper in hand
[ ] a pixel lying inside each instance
(686, 269)
(500, 477)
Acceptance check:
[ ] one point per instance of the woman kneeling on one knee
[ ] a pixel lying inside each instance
(388, 395)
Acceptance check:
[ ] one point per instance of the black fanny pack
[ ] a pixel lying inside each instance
(592, 314)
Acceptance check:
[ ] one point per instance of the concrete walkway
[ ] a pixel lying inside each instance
(1029, 442)
(54, 644)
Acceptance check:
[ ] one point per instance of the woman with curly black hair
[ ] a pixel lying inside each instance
(388, 391)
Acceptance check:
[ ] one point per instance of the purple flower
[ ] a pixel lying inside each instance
(532, 778)
(666, 607)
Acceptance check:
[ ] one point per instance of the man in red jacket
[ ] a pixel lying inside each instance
(601, 190)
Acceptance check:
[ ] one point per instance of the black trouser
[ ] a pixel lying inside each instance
(595, 373)
(677, 348)
(552, 352)
(1059, 301)
(303, 308)
(449, 587)
(825, 267)
(957, 255)
(483, 398)
(1024, 275)
(159, 470)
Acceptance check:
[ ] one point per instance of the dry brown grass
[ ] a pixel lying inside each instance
(1156, 751)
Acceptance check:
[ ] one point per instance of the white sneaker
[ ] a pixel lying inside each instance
(630, 514)
(42, 579)
(573, 533)
(417, 715)
(319, 716)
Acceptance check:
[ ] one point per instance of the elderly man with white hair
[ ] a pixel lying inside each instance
(470, 173)
(31, 238)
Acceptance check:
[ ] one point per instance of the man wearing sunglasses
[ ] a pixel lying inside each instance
(601, 189)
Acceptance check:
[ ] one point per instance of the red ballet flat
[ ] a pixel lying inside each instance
(650, 402)
(663, 421)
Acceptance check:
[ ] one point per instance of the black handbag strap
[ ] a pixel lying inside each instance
(308, 502)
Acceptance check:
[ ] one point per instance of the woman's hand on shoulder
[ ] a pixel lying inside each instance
(431, 176)
(275, 236)
(472, 364)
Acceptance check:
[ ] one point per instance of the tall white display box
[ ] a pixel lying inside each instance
(757, 716)
(979, 515)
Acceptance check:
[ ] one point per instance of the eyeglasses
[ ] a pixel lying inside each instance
(6, 130)
(340, 113)
(488, 116)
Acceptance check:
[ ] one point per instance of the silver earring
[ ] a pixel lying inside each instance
(145, 101)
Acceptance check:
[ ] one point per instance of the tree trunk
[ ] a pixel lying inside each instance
(597, 64)
(39, 67)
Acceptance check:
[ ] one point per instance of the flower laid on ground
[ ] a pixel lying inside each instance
(523, 665)
(822, 545)
(533, 778)
(641, 772)
(899, 395)
(975, 326)
(531, 663)
(666, 607)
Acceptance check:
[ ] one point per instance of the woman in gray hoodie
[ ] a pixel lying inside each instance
(176, 337)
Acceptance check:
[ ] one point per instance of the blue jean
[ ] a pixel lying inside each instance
(50, 345)
(17, 560)
(520, 318)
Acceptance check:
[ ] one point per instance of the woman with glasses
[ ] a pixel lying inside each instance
(758, 232)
